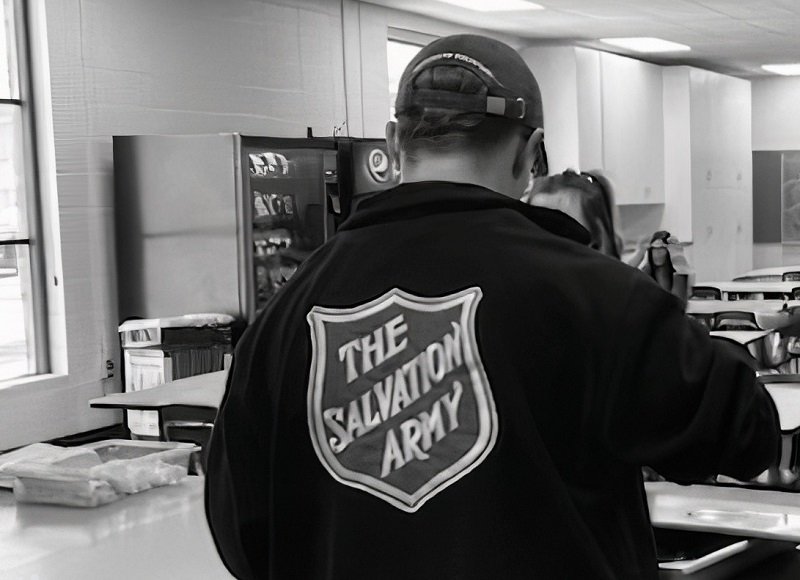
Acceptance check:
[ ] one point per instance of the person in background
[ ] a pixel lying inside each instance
(588, 197)
(455, 385)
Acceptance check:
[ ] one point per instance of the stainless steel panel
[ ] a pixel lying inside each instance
(176, 225)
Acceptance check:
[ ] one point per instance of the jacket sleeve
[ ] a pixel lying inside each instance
(681, 402)
(235, 510)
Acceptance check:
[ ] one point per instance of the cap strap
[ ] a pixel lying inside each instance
(508, 107)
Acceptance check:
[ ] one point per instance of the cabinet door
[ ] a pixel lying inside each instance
(590, 108)
(633, 128)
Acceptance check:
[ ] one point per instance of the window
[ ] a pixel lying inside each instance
(398, 55)
(22, 328)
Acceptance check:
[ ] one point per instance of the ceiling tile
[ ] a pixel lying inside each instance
(725, 35)
(753, 8)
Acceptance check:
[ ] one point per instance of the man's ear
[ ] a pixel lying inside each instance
(526, 153)
(393, 144)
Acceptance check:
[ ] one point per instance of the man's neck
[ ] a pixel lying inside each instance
(454, 168)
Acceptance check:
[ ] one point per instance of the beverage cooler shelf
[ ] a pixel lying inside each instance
(271, 222)
(288, 256)
(263, 178)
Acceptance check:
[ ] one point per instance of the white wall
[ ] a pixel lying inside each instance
(776, 114)
(157, 66)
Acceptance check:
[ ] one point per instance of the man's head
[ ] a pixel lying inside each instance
(469, 110)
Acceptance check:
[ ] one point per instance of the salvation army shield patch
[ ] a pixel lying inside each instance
(399, 404)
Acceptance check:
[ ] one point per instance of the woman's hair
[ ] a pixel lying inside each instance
(440, 129)
(589, 193)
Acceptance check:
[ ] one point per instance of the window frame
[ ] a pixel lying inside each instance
(392, 38)
(407, 36)
(35, 307)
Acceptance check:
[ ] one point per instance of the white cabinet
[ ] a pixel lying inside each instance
(590, 108)
(603, 111)
(555, 70)
(633, 128)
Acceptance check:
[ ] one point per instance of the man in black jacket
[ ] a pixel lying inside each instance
(455, 386)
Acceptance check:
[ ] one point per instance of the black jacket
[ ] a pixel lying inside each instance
(454, 386)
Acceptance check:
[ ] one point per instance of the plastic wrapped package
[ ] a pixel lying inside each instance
(135, 475)
(47, 454)
(34, 485)
(99, 473)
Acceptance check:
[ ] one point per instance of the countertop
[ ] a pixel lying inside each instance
(736, 511)
(159, 533)
(162, 533)
(728, 510)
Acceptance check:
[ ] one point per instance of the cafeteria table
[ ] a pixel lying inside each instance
(40, 538)
(725, 509)
(162, 532)
(738, 511)
(158, 533)
(204, 390)
(186, 407)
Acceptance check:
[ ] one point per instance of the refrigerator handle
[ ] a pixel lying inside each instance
(332, 201)
(332, 182)
(333, 194)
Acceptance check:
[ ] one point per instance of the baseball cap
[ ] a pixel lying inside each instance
(512, 90)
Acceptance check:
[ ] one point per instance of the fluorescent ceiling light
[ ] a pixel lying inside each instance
(646, 44)
(494, 5)
(783, 69)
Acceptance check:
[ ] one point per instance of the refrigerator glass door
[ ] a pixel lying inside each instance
(286, 195)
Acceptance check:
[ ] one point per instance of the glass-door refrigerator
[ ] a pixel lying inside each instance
(218, 223)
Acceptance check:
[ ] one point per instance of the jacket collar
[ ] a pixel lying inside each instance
(411, 200)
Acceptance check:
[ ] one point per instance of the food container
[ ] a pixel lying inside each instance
(99, 473)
